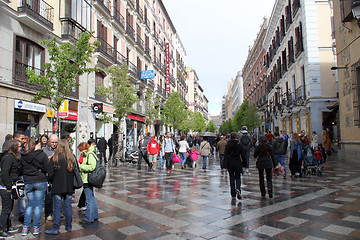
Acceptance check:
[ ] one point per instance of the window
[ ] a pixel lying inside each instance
(99, 80)
(28, 55)
(346, 11)
(78, 10)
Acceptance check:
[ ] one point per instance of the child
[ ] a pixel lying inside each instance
(194, 156)
(318, 154)
(323, 152)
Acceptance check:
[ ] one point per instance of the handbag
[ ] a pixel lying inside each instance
(18, 190)
(78, 182)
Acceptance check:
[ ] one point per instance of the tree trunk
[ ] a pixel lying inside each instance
(57, 126)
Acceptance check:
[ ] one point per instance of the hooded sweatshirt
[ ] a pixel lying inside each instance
(153, 147)
(88, 165)
(279, 146)
(34, 167)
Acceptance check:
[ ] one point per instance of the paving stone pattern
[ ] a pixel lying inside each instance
(196, 204)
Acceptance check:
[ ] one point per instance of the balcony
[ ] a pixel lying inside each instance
(157, 62)
(37, 15)
(172, 80)
(131, 3)
(118, 20)
(290, 59)
(4, 2)
(133, 70)
(162, 67)
(300, 96)
(148, 52)
(296, 6)
(140, 12)
(130, 33)
(21, 77)
(156, 37)
(151, 84)
(103, 6)
(162, 46)
(119, 58)
(299, 48)
(283, 68)
(140, 43)
(147, 24)
(70, 29)
(106, 52)
(99, 97)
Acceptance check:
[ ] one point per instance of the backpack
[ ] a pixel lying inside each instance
(97, 177)
(245, 140)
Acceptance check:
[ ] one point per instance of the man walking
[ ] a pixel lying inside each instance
(220, 147)
(102, 146)
(50, 151)
(110, 145)
(168, 149)
(142, 150)
(245, 143)
(279, 147)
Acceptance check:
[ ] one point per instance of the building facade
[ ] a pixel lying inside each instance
(347, 33)
(137, 33)
(237, 92)
(299, 48)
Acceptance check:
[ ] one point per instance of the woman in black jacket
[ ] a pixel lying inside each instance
(34, 166)
(232, 162)
(265, 162)
(9, 174)
(61, 174)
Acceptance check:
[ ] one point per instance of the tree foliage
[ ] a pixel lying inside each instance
(66, 62)
(199, 121)
(211, 127)
(153, 103)
(239, 118)
(226, 127)
(174, 111)
(252, 118)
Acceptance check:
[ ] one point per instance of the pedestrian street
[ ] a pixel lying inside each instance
(196, 204)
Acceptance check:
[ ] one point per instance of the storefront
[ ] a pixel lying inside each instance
(27, 117)
(135, 126)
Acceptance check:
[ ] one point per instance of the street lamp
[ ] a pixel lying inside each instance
(137, 87)
(356, 10)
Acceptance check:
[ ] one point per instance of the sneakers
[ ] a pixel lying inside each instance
(12, 230)
(82, 209)
(6, 235)
(52, 232)
(49, 218)
(36, 231)
(238, 194)
(25, 231)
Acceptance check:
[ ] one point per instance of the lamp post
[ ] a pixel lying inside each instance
(356, 10)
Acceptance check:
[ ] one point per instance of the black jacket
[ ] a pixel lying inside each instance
(264, 155)
(34, 166)
(9, 170)
(232, 155)
(279, 146)
(101, 145)
(62, 180)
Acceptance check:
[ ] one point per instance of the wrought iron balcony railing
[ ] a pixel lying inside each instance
(70, 29)
(105, 48)
(21, 77)
(118, 18)
(38, 9)
(139, 42)
(130, 31)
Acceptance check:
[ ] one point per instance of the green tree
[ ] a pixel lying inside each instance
(188, 122)
(199, 122)
(211, 127)
(122, 94)
(252, 119)
(226, 127)
(239, 118)
(66, 62)
(174, 111)
(152, 107)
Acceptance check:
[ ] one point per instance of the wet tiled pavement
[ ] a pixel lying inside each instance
(196, 205)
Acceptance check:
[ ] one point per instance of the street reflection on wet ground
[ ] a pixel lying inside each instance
(196, 204)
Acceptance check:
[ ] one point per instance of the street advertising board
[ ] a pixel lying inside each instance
(167, 62)
(147, 74)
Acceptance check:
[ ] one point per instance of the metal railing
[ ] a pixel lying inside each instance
(140, 11)
(99, 97)
(140, 42)
(147, 22)
(118, 17)
(133, 70)
(130, 31)
(39, 9)
(156, 36)
(290, 58)
(70, 29)
(21, 77)
(105, 48)
(131, 3)
(105, 4)
(172, 79)
(299, 47)
(147, 51)
(119, 58)
(296, 6)
(299, 93)
(151, 84)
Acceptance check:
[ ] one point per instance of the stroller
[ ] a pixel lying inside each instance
(188, 162)
(310, 163)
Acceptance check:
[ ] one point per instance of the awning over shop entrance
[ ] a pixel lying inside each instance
(136, 117)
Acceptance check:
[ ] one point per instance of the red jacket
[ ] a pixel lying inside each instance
(153, 147)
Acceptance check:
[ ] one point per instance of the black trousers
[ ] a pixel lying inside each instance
(48, 204)
(141, 156)
(268, 180)
(7, 206)
(221, 156)
(235, 180)
(169, 157)
(102, 155)
(82, 200)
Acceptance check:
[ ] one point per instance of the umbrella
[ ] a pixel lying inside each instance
(207, 134)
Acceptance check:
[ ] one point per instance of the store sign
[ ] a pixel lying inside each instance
(19, 104)
(99, 116)
(50, 113)
(64, 107)
(147, 74)
(97, 107)
(70, 115)
(167, 63)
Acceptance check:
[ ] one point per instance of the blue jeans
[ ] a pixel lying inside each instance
(92, 208)
(204, 162)
(183, 157)
(280, 159)
(35, 193)
(162, 159)
(58, 203)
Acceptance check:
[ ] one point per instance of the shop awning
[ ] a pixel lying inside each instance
(136, 117)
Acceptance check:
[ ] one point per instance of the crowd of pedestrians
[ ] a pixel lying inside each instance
(46, 166)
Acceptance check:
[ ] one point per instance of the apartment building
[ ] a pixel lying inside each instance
(196, 98)
(227, 103)
(347, 32)
(137, 33)
(237, 92)
(299, 54)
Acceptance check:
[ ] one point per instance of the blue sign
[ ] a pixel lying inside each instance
(147, 74)
(20, 104)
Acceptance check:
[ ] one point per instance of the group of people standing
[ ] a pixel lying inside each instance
(46, 165)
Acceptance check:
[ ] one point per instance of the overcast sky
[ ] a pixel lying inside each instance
(217, 35)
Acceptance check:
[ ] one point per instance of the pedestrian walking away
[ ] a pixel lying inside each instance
(265, 162)
(102, 146)
(234, 165)
(220, 147)
(168, 149)
(295, 162)
(279, 148)
(183, 148)
(246, 144)
(142, 150)
(205, 150)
